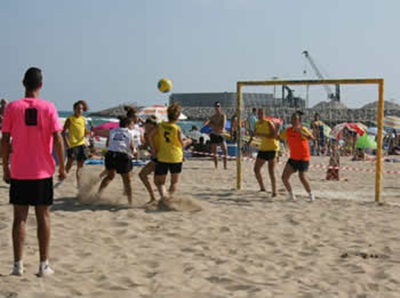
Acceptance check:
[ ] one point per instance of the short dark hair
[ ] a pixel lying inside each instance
(131, 111)
(83, 103)
(124, 121)
(298, 115)
(217, 104)
(152, 120)
(33, 78)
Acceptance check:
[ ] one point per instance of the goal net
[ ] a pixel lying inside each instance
(347, 116)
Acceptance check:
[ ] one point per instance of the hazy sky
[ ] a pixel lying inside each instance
(111, 52)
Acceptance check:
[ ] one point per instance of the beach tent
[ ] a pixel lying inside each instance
(365, 141)
(337, 131)
(159, 111)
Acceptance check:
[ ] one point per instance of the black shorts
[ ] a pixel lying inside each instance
(78, 153)
(31, 192)
(267, 155)
(299, 165)
(121, 162)
(216, 138)
(162, 168)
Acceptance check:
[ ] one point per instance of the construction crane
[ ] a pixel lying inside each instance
(331, 95)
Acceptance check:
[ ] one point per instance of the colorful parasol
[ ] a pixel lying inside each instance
(337, 131)
(392, 122)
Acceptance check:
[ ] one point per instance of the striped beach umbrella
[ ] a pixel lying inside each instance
(392, 122)
(337, 131)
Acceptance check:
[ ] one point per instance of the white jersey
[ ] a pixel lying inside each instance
(120, 140)
(136, 133)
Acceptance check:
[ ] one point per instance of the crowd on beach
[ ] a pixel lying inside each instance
(32, 134)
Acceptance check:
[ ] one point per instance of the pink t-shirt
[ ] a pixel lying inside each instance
(32, 145)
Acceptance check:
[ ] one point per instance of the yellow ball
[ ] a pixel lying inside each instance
(164, 85)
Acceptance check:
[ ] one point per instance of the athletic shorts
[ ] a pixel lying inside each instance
(217, 138)
(267, 155)
(121, 162)
(31, 192)
(299, 165)
(162, 168)
(78, 153)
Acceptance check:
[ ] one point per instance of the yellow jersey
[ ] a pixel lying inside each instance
(76, 130)
(169, 148)
(267, 144)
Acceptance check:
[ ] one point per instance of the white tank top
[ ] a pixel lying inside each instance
(136, 133)
(120, 140)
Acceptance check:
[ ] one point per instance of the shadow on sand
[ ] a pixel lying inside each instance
(72, 204)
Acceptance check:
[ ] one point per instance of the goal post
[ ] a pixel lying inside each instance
(380, 115)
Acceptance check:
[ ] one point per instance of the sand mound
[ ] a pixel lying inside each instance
(87, 192)
(176, 203)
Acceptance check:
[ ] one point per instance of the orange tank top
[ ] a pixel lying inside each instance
(298, 146)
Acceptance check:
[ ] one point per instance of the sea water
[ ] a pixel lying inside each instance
(184, 125)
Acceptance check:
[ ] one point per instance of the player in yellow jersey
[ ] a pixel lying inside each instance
(168, 151)
(269, 148)
(75, 125)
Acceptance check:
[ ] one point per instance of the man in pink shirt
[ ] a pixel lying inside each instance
(34, 127)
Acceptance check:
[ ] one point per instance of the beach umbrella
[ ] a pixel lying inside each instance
(276, 121)
(337, 131)
(326, 130)
(103, 130)
(365, 141)
(106, 126)
(392, 122)
(159, 111)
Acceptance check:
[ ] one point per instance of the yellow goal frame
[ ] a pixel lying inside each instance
(379, 82)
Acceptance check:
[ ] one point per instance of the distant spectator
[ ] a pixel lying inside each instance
(252, 121)
(217, 124)
(194, 134)
(3, 104)
(234, 123)
(316, 127)
(334, 162)
(200, 147)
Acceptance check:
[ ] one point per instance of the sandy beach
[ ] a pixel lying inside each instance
(242, 243)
